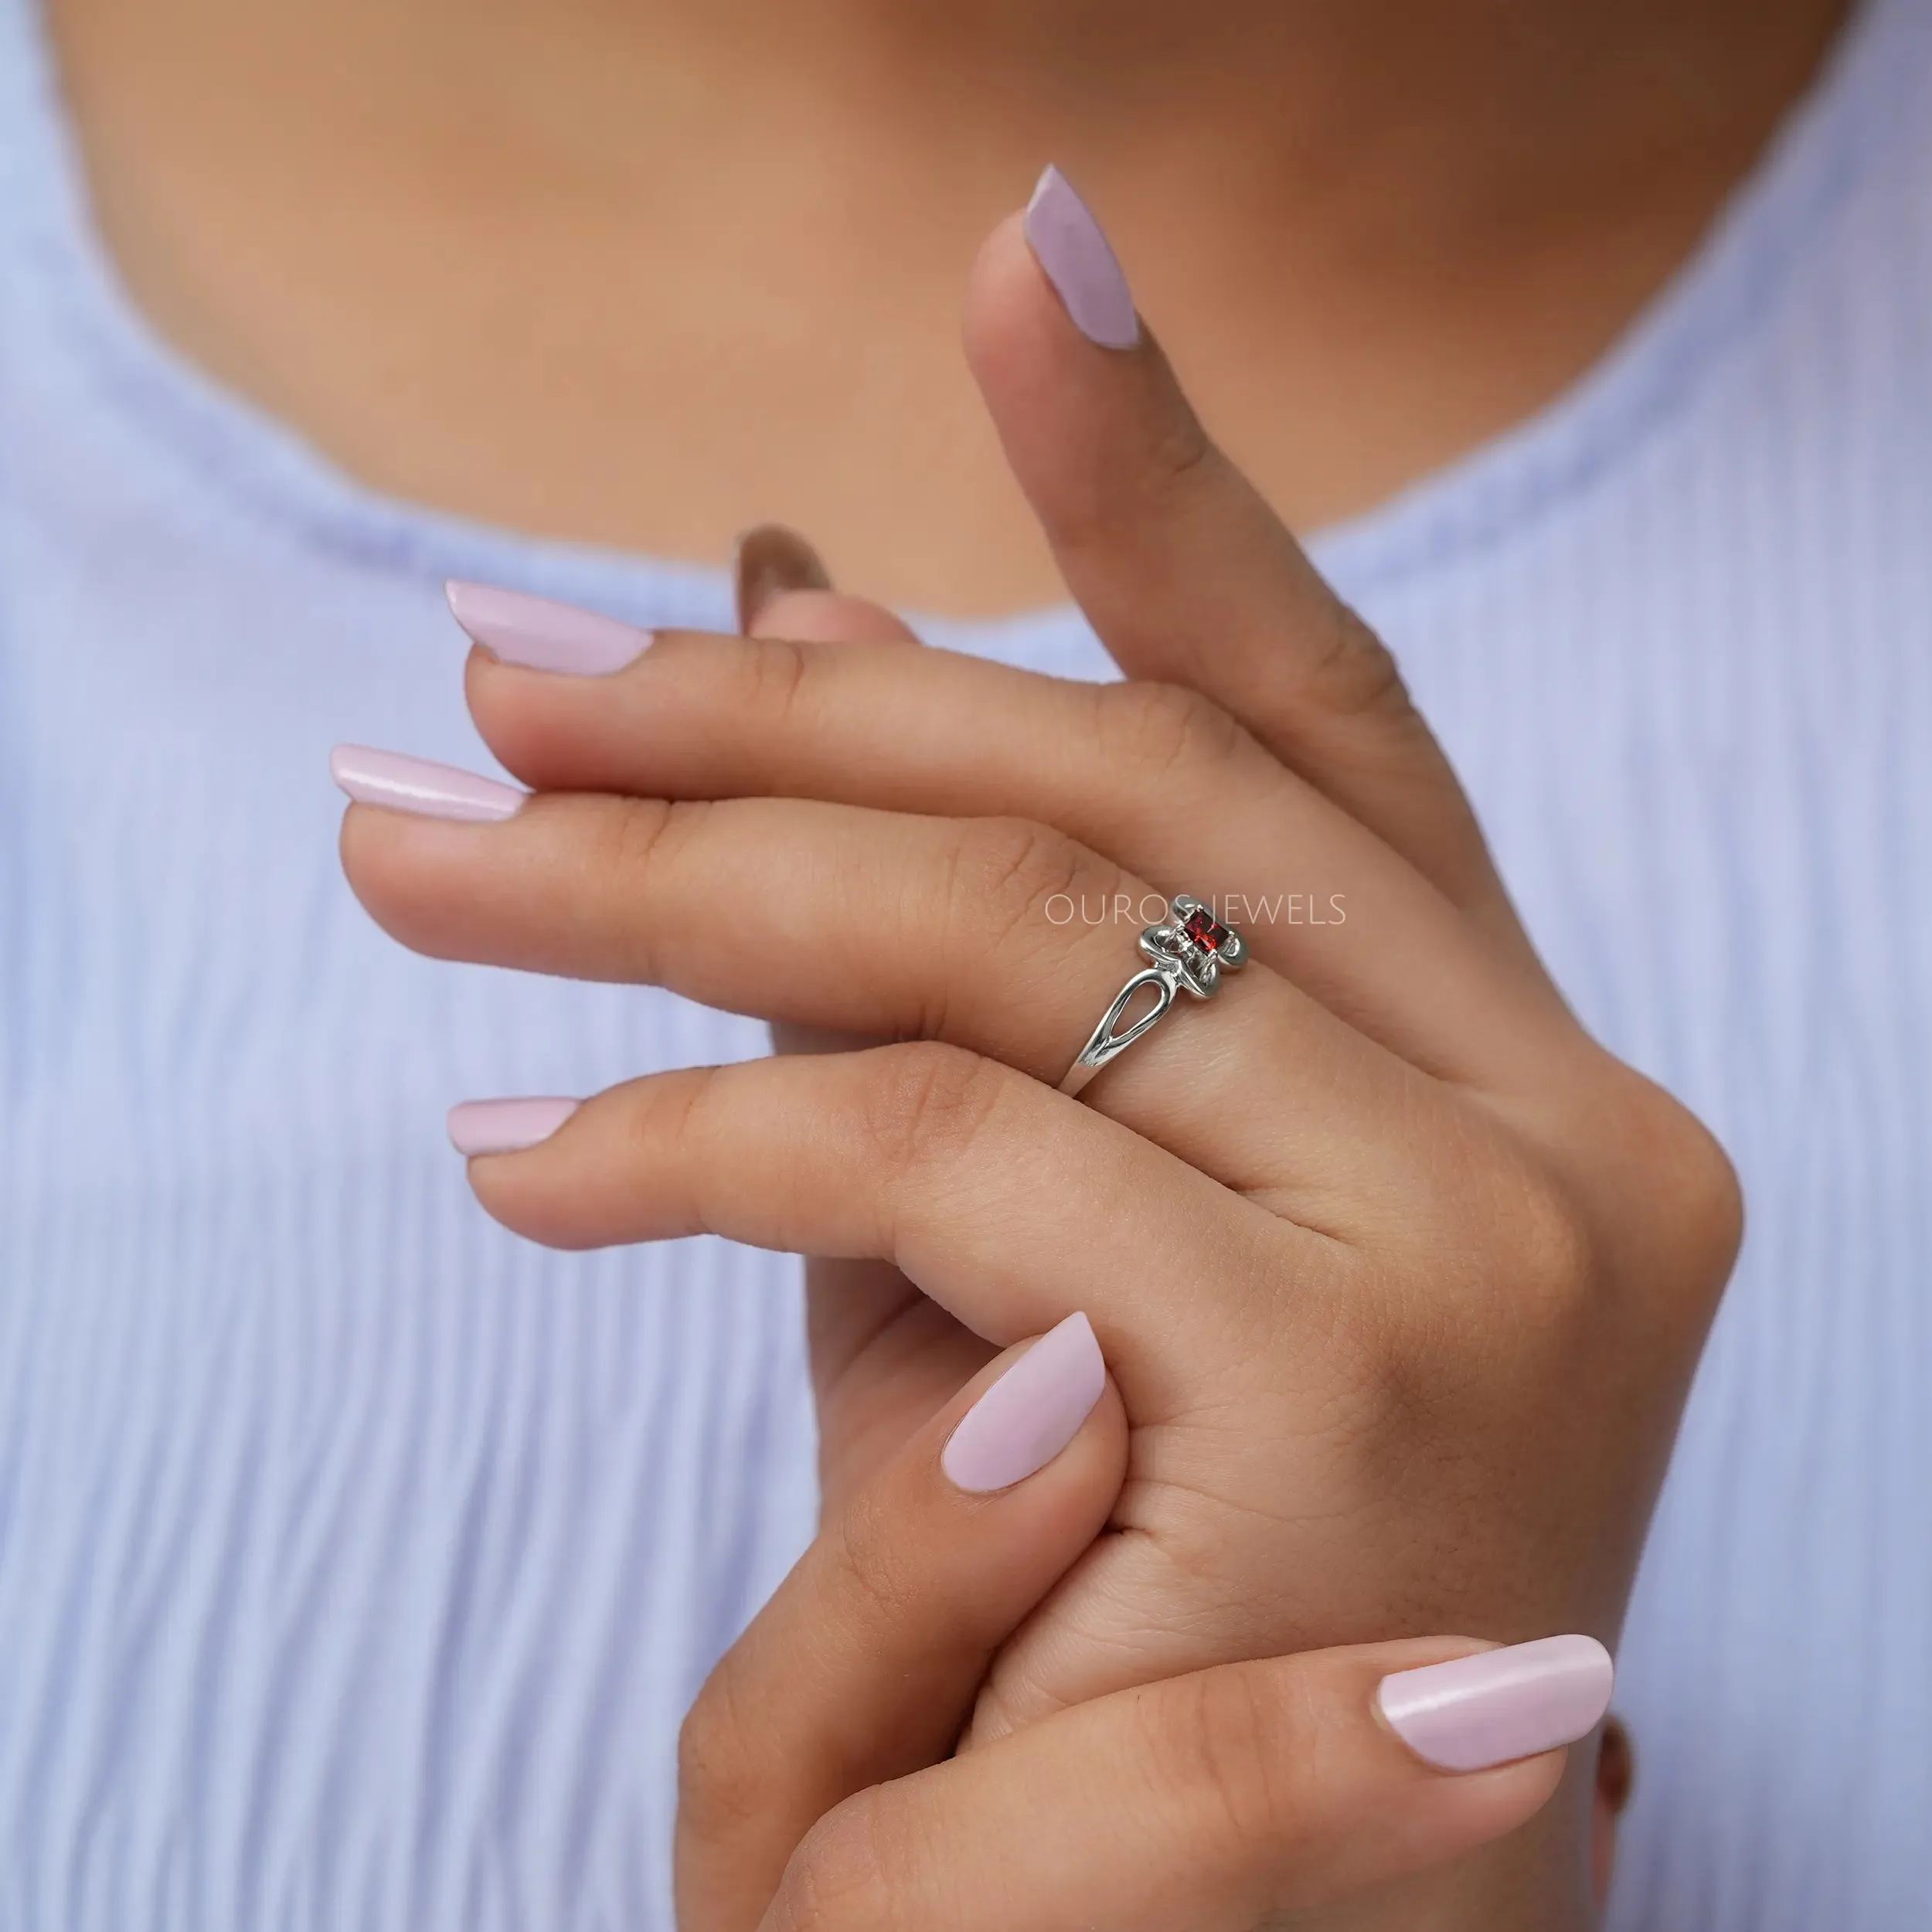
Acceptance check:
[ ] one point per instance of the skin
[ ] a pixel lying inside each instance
(646, 272)
(1212, 1800)
(1401, 1277)
(1382, 232)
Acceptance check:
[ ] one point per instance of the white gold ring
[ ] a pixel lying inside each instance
(1191, 951)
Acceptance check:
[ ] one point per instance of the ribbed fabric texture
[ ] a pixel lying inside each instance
(357, 1561)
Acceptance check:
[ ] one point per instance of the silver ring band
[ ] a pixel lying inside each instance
(1190, 952)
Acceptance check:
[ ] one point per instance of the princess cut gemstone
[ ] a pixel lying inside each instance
(1205, 930)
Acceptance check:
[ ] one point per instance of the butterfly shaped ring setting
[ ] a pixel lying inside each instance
(1190, 953)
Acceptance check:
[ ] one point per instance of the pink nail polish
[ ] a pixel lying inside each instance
(374, 778)
(506, 1127)
(541, 634)
(1034, 1410)
(1067, 242)
(1502, 1704)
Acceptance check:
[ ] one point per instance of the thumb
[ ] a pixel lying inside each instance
(1216, 1800)
(863, 1667)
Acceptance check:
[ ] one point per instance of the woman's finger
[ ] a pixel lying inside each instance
(771, 561)
(883, 1357)
(1155, 776)
(962, 931)
(1182, 568)
(959, 1170)
(780, 588)
(1211, 1801)
(863, 1667)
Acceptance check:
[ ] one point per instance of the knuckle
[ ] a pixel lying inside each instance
(722, 1780)
(639, 836)
(1160, 729)
(1006, 870)
(774, 671)
(882, 1580)
(1555, 1252)
(931, 1105)
(1352, 671)
(1097, 518)
(1551, 1253)
(1180, 450)
(1510, 1237)
(1711, 1202)
(635, 842)
(1639, 1197)
(1691, 1199)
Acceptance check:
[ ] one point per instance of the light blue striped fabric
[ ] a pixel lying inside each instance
(356, 1561)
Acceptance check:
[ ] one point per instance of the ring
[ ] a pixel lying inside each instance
(1191, 952)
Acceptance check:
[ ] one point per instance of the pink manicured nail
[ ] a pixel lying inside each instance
(1034, 1410)
(506, 1127)
(1502, 1704)
(543, 635)
(1067, 242)
(374, 778)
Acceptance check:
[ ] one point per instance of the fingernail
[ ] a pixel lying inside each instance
(1616, 1767)
(1502, 1705)
(506, 1127)
(374, 778)
(541, 634)
(1034, 1410)
(1067, 242)
(771, 560)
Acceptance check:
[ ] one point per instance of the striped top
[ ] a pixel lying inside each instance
(357, 1559)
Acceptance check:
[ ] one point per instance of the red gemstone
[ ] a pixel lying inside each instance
(1205, 930)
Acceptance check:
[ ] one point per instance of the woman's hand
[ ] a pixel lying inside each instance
(1211, 1801)
(1402, 1278)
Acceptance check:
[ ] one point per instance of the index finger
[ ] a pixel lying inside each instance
(1184, 571)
